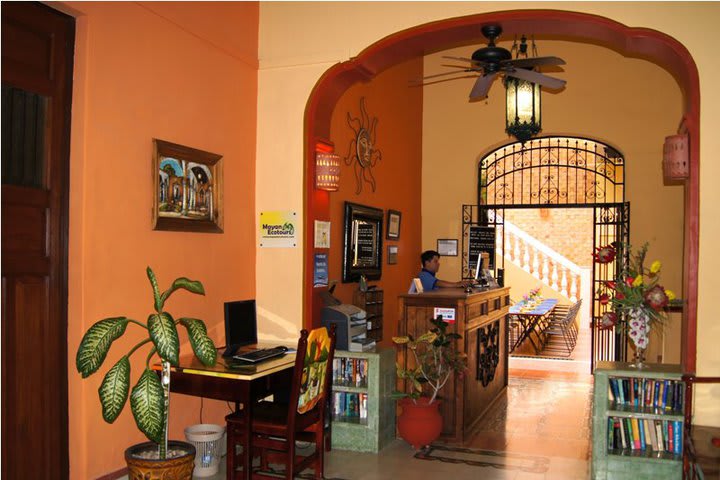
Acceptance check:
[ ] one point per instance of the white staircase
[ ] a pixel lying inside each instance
(542, 262)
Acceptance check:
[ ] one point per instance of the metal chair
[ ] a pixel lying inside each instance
(563, 325)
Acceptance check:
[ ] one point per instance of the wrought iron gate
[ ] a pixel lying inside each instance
(611, 225)
(556, 172)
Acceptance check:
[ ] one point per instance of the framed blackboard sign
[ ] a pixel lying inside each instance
(482, 239)
(362, 253)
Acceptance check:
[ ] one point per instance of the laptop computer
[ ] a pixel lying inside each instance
(240, 325)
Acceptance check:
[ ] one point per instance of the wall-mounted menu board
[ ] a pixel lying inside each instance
(362, 252)
(481, 239)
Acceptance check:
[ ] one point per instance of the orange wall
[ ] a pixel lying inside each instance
(399, 138)
(148, 76)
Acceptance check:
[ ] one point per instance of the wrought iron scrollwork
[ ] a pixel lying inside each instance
(488, 352)
(567, 171)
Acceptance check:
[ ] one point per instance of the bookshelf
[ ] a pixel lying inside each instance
(638, 421)
(363, 413)
(372, 302)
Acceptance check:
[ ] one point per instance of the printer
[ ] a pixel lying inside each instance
(350, 327)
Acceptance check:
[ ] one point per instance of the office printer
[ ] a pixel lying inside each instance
(350, 327)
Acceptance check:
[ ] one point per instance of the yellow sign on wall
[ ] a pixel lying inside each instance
(278, 229)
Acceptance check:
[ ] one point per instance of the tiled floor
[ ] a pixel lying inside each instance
(543, 418)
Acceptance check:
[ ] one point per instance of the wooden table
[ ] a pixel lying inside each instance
(530, 319)
(230, 382)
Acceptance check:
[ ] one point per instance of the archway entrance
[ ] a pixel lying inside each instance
(557, 172)
(419, 41)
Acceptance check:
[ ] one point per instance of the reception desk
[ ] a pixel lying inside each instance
(481, 320)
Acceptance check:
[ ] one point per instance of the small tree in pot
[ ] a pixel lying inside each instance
(436, 358)
(149, 400)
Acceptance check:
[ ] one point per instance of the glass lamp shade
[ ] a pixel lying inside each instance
(522, 105)
(327, 171)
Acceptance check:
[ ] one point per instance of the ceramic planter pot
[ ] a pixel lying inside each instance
(177, 468)
(419, 423)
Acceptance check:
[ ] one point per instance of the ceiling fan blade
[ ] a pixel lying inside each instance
(445, 73)
(534, 61)
(482, 86)
(535, 77)
(462, 59)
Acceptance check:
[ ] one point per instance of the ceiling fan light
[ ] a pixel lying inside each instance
(522, 114)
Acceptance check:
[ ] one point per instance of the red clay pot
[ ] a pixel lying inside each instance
(419, 423)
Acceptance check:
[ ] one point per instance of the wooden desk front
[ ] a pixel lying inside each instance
(224, 381)
(481, 319)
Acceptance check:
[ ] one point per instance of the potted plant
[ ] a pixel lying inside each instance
(149, 400)
(436, 359)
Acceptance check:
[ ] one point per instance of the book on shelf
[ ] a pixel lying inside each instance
(644, 434)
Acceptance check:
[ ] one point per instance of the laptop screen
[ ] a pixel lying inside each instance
(240, 323)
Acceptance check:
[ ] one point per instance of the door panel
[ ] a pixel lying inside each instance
(37, 49)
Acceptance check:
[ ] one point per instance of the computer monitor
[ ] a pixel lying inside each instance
(479, 267)
(240, 325)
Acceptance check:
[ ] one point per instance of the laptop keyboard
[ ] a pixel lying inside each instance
(259, 355)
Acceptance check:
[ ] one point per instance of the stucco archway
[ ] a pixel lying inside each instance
(651, 45)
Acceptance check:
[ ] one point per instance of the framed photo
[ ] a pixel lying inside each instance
(392, 254)
(393, 224)
(447, 247)
(187, 189)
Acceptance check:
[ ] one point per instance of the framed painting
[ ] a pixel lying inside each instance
(187, 193)
(393, 224)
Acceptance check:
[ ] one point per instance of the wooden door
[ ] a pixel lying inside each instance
(37, 53)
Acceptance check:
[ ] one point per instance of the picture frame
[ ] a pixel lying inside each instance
(392, 254)
(363, 248)
(447, 247)
(187, 189)
(393, 224)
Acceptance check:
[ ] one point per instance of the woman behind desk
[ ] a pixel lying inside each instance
(430, 261)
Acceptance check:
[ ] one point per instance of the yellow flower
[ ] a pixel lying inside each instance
(670, 295)
(655, 267)
(638, 281)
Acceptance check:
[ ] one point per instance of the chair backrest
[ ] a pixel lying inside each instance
(315, 354)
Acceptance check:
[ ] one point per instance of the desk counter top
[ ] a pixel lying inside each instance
(453, 293)
(228, 368)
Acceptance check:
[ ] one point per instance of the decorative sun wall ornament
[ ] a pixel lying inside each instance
(362, 153)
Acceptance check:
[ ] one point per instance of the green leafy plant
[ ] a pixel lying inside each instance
(149, 400)
(436, 358)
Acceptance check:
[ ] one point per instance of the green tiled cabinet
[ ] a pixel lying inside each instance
(626, 398)
(369, 375)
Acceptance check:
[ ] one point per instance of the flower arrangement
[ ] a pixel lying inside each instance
(436, 358)
(532, 295)
(637, 296)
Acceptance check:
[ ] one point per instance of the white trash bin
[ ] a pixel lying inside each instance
(209, 441)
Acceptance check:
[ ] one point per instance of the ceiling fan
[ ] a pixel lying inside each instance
(492, 61)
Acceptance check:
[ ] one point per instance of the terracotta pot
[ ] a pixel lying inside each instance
(419, 423)
(178, 468)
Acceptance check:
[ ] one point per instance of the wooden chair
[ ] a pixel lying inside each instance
(276, 426)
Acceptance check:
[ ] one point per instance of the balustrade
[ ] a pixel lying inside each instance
(541, 261)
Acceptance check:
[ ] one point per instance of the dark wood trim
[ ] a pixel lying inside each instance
(644, 43)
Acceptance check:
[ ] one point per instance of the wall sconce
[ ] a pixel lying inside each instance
(327, 171)
(522, 108)
(676, 158)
